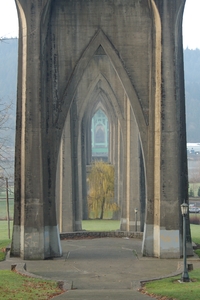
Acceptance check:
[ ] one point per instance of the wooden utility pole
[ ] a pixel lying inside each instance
(7, 204)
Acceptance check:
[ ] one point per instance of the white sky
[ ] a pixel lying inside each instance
(191, 22)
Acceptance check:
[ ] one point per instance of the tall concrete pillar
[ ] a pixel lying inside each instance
(142, 190)
(131, 171)
(111, 152)
(76, 171)
(134, 218)
(35, 230)
(83, 164)
(64, 198)
(162, 237)
(88, 142)
(118, 171)
(173, 122)
(126, 168)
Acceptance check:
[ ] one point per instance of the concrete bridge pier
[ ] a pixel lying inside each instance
(72, 56)
(131, 177)
(35, 230)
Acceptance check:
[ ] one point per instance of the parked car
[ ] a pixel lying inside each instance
(194, 209)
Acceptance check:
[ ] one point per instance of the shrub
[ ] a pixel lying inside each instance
(198, 192)
(191, 192)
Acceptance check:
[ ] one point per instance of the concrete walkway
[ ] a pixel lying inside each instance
(106, 268)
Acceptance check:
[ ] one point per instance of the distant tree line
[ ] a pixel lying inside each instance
(192, 94)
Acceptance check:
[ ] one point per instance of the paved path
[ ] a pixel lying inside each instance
(106, 268)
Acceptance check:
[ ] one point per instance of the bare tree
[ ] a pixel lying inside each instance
(6, 147)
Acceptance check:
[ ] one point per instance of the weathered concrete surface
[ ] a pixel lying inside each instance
(106, 267)
(72, 56)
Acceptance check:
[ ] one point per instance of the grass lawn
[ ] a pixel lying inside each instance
(15, 286)
(171, 288)
(3, 209)
(100, 225)
(4, 229)
(3, 245)
(195, 232)
(4, 241)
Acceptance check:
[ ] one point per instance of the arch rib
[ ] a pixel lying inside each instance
(101, 39)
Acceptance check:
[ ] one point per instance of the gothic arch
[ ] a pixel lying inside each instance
(101, 40)
(59, 50)
(100, 90)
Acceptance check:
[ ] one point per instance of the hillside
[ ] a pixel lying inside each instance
(8, 69)
(192, 94)
(8, 87)
(8, 83)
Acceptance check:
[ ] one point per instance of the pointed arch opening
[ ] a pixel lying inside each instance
(100, 136)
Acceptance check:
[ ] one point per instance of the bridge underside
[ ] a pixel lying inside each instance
(126, 58)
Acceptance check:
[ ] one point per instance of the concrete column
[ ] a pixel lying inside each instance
(182, 133)
(118, 172)
(58, 188)
(111, 153)
(65, 210)
(142, 191)
(76, 171)
(35, 230)
(84, 176)
(125, 198)
(114, 142)
(172, 133)
(134, 176)
(162, 228)
(88, 141)
(110, 143)
(131, 176)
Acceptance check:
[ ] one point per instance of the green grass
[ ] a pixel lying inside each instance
(3, 245)
(3, 209)
(3, 192)
(4, 241)
(100, 225)
(194, 187)
(4, 230)
(171, 288)
(197, 252)
(195, 232)
(15, 286)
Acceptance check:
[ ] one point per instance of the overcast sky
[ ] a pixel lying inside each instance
(191, 22)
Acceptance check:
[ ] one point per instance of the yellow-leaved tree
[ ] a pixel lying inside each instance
(101, 189)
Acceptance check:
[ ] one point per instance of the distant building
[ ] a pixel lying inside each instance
(100, 135)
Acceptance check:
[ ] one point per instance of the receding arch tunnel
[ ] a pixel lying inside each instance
(128, 56)
(105, 91)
